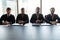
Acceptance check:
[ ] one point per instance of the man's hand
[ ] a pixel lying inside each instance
(38, 21)
(53, 22)
(21, 22)
(5, 22)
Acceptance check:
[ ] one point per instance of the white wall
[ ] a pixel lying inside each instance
(1, 12)
(47, 4)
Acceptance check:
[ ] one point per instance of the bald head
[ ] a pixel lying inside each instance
(37, 10)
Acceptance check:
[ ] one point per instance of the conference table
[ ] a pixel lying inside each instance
(30, 31)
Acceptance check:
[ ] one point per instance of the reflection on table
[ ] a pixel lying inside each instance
(30, 32)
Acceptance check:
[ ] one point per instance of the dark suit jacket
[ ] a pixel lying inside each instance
(49, 18)
(34, 18)
(10, 18)
(0, 21)
(23, 18)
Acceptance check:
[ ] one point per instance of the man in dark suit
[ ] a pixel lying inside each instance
(52, 18)
(7, 18)
(37, 17)
(22, 18)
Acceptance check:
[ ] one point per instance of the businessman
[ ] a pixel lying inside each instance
(37, 17)
(7, 18)
(22, 18)
(52, 18)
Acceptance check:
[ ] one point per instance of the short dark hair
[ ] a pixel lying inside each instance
(8, 8)
(52, 8)
(22, 8)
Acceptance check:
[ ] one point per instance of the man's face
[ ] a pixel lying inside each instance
(8, 11)
(37, 10)
(52, 10)
(22, 11)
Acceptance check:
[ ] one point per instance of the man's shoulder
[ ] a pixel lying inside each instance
(48, 14)
(34, 14)
(11, 15)
(4, 14)
(26, 14)
(55, 14)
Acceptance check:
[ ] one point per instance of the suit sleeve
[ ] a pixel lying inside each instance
(42, 19)
(12, 20)
(2, 18)
(58, 18)
(26, 19)
(17, 19)
(32, 20)
(0, 21)
(46, 19)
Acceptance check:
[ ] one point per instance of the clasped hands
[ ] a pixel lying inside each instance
(5, 22)
(38, 21)
(53, 22)
(21, 22)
